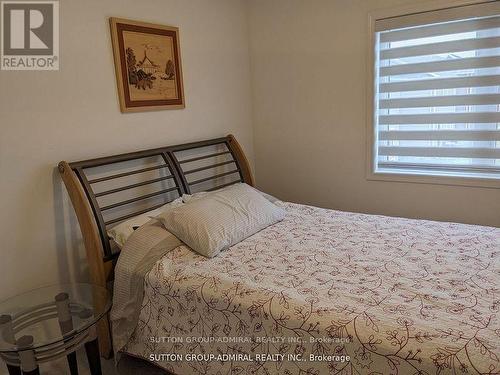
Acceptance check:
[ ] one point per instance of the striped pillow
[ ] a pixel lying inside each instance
(221, 219)
(186, 198)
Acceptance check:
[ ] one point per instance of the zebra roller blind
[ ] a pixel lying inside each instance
(437, 92)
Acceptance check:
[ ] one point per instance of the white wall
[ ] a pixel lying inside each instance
(309, 83)
(73, 114)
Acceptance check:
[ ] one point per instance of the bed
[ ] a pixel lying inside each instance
(321, 292)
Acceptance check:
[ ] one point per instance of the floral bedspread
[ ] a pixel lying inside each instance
(329, 292)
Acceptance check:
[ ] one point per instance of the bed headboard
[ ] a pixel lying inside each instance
(167, 175)
(108, 190)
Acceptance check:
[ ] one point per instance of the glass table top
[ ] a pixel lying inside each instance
(51, 314)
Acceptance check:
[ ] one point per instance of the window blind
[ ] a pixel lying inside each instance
(437, 92)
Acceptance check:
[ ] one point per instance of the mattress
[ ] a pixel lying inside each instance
(329, 292)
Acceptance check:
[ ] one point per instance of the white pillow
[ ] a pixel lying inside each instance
(189, 197)
(186, 198)
(121, 232)
(221, 219)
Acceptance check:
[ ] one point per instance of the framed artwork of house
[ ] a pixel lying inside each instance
(148, 65)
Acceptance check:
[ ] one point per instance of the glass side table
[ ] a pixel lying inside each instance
(49, 323)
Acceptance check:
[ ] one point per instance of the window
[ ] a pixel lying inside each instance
(437, 93)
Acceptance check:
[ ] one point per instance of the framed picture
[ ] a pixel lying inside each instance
(148, 65)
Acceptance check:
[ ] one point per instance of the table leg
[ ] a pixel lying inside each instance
(36, 371)
(72, 363)
(13, 370)
(27, 356)
(66, 325)
(92, 349)
(7, 332)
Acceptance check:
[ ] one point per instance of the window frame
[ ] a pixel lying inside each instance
(371, 129)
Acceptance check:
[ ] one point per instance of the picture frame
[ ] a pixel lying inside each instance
(148, 65)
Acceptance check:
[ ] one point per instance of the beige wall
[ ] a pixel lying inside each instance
(309, 82)
(308, 79)
(73, 114)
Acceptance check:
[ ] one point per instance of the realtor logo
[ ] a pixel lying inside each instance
(30, 35)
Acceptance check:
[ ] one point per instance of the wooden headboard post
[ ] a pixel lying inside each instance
(240, 156)
(93, 247)
(88, 210)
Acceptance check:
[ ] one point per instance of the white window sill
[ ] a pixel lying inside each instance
(436, 180)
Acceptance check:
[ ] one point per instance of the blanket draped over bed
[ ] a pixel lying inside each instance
(148, 244)
(397, 296)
